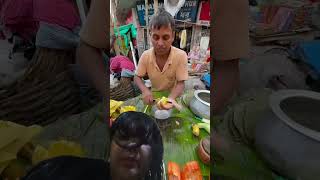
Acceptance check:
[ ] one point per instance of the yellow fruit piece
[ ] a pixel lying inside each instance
(115, 108)
(196, 130)
(39, 154)
(114, 105)
(63, 147)
(163, 100)
(57, 148)
(127, 108)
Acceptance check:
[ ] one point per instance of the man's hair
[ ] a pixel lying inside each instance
(160, 19)
(141, 126)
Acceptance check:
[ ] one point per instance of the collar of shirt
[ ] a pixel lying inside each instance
(169, 60)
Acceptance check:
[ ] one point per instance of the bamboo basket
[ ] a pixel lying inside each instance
(125, 90)
(45, 93)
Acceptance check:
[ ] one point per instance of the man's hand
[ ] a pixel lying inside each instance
(146, 93)
(147, 97)
(175, 104)
(176, 92)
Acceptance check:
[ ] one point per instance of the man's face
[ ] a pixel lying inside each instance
(162, 39)
(129, 161)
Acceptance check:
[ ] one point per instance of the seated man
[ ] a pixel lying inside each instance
(136, 153)
(165, 65)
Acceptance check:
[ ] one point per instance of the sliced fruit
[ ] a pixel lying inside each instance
(40, 153)
(195, 130)
(127, 108)
(191, 171)
(164, 104)
(173, 171)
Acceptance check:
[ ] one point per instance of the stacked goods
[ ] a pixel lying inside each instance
(273, 19)
(125, 90)
(45, 93)
(303, 17)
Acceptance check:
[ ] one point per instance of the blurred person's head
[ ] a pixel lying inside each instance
(136, 148)
(162, 32)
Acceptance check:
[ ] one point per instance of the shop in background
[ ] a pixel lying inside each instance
(192, 31)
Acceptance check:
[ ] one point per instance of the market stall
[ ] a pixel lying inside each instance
(185, 130)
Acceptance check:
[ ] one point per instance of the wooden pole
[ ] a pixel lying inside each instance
(156, 6)
(81, 8)
(114, 20)
(147, 20)
(115, 45)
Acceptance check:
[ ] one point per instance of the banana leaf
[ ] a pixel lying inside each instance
(180, 145)
(240, 162)
(242, 165)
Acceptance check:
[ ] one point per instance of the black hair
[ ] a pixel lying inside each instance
(160, 19)
(143, 127)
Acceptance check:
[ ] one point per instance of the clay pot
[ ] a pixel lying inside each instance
(204, 150)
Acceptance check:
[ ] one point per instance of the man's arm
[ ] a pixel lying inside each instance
(182, 76)
(139, 82)
(141, 72)
(146, 93)
(177, 90)
(91, 61)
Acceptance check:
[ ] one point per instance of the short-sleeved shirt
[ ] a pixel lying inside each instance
(95, 29)
(230, 29)
(175, 69)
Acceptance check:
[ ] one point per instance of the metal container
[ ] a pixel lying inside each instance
(288, 135)
(200, 103)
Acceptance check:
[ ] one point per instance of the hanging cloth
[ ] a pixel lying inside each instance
(183, 41)
(173, 6)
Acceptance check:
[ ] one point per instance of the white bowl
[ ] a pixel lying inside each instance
(161, 114)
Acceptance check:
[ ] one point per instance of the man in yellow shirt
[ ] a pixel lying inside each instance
(166, 66)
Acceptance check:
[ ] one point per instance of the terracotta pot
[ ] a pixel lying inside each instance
(204, 150)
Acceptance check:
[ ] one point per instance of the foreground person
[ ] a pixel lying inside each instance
(136, 153)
